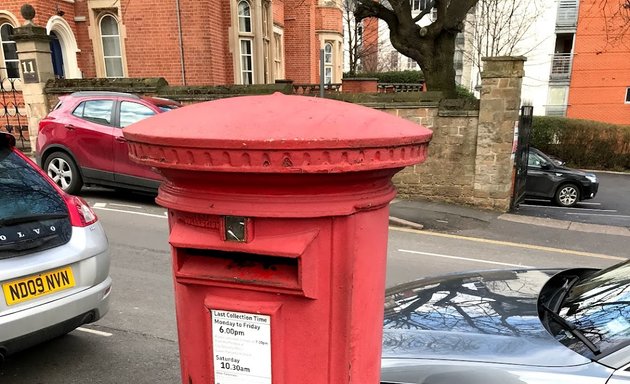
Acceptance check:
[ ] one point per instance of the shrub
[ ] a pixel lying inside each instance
(583, 143)
(465, 93)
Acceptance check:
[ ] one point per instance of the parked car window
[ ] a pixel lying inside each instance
(533, 160)
(96, 111)
(133, 112)
(78, 111)
(167, 107)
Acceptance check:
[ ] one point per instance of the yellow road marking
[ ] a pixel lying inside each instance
(510, 244)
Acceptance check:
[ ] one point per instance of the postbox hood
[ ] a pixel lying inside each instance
(277, 134)
(277, 121)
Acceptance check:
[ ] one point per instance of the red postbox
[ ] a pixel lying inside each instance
(278, 213)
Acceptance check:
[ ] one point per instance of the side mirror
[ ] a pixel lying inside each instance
(546, 166)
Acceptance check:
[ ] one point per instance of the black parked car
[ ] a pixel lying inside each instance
(548, 179)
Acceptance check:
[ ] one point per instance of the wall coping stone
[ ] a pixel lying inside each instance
(30, 32)
(359, 79)
(128, 85)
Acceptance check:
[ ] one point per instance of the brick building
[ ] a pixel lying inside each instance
(600, 75)
(188, 42)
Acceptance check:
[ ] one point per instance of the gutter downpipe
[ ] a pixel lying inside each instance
(181, 42)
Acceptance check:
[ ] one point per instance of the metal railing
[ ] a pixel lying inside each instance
(313, 89)
(399, 87)
(12, 117)
(561, 66)
(567, 13)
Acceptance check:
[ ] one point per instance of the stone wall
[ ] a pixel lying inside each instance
(449, 171)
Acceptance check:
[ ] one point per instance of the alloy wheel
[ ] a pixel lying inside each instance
(568, 195)
(59, 170)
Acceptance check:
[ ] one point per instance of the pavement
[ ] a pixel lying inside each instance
(511, 227)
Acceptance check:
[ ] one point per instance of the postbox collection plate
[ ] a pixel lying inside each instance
(241, 345)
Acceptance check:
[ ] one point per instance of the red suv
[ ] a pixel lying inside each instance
(80, 142)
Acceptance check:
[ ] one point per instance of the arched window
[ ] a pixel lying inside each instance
(244, 17)
(246, 42)
(9, 52)
(328, 63)
(112, 54)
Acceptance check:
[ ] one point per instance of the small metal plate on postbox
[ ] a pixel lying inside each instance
(236, 228)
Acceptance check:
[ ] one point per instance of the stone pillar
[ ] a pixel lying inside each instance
(33, 49)
(500, 102)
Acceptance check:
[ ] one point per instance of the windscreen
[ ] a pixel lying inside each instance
(598, 306)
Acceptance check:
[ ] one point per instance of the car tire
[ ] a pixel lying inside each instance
(567, 195)
(62, 169)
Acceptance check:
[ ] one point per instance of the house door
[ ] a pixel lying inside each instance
(57, 56)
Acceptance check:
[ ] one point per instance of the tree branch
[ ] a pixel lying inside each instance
(455, 12)
(370, 8)
(424, 12)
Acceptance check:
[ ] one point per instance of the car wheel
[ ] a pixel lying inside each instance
(64, 172)
(567, 195)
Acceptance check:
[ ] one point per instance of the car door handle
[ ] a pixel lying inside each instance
(121, 139)
(69, 127)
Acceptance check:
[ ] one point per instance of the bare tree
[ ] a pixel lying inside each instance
(617, 16)
(499, 26)
(363, 40)
(432, 46)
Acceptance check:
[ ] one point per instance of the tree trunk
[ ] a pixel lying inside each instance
(438, 68)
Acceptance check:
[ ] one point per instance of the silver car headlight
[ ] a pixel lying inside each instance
(591, 177)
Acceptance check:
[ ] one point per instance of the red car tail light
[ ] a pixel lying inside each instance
(81, 214)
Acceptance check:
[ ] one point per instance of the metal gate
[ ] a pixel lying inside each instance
(520, 152)
(12, 116)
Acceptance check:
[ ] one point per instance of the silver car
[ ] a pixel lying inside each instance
(507, 327)
(54, 256)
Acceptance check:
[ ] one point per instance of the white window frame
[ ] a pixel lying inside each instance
(249, 57)
(4, 59)
(245, 17)
(329, 61)
(419, 5)
(102, 36)
(278, 52)
(627, 95)
(246, 36)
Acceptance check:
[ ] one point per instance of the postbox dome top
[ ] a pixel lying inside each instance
(221, 131)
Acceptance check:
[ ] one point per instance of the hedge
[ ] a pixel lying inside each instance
(583, 143)
(406, 77)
